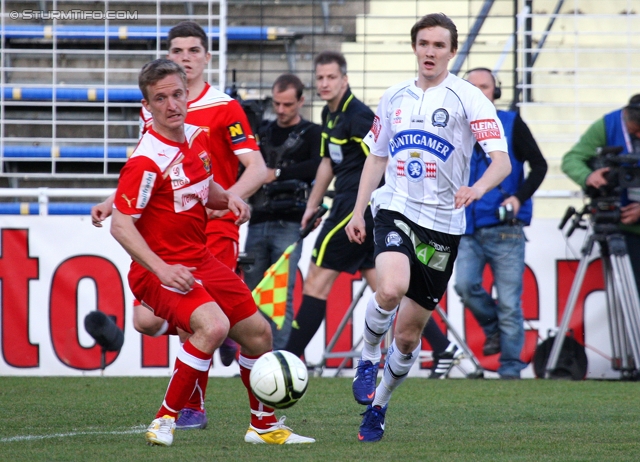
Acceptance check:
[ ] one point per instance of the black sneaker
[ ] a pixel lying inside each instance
(491, 345)
(444, 362)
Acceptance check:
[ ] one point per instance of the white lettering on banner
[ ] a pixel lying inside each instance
(57, 281)
(144, 192)
(186, 198)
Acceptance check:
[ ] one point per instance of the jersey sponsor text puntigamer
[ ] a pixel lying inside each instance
(429, 138)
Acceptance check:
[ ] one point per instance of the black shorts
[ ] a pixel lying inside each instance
(333, 249)
(431, 255)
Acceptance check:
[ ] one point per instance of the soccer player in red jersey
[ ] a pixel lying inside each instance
(230, 142)
(159, 217)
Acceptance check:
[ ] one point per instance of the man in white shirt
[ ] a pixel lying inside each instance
(423, 136)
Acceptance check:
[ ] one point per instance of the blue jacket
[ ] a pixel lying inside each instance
(482, 213)
(613, 129)
(615, 137)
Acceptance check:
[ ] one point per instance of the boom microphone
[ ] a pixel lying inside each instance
(104, 330)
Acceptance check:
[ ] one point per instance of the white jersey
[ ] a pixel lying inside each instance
(429, 138)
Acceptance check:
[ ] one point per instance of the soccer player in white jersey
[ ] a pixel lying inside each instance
(423, 136)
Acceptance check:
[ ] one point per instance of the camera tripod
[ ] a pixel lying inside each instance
(623, 305)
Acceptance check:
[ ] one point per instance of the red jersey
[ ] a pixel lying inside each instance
(230, 135)
(166, 186)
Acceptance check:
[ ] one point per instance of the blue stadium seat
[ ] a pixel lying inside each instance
(15, 93)
(67, 152)
(53, 208)
(69, 32)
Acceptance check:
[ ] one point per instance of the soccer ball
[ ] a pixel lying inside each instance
(279, 379)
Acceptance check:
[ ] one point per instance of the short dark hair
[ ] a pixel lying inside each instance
(633, 109)
(188, 29)
(286, 81)
(328, 57)
(433, 20)
(157, 70)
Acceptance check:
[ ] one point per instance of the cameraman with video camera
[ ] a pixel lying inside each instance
(494, 235)
(619, 128)
(290, 146)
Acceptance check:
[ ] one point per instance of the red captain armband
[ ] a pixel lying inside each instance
(486, 129)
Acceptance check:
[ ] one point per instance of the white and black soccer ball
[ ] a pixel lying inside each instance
(279, 379)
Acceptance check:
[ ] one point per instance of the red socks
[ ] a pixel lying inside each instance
(261, 415)
(197, 397)
(191, 364)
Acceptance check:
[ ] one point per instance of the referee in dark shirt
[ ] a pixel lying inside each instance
(345, 122)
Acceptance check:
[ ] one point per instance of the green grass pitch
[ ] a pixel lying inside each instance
(103, 419)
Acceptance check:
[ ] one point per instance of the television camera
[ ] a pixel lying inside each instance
(623, 303)
(605, 201)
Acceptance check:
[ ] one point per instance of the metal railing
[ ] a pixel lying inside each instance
(65, 68)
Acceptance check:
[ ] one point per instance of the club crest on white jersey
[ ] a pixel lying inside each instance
(440, 118)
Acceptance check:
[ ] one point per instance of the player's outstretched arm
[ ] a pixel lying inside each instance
(253, 177)
(123, 229)
(497, 171)
(102, 211)
(372, 173)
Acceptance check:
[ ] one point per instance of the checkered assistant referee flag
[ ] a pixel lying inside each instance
(271, 293)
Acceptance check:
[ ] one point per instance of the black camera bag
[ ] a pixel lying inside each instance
(572, 362)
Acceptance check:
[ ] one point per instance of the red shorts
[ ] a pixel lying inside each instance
(224, 248)
(217, 283)
(223, 236)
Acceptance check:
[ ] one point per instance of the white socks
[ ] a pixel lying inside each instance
(396, 370)
(376, 323)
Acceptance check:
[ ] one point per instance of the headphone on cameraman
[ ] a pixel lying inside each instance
(497, 91)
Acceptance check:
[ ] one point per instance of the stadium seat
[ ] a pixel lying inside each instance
(71, 32)
(53, 208)
(66, 152)
(15, 93)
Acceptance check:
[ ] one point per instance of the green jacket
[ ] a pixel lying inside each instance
(575, 162)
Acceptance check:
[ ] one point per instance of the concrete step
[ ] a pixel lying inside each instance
(373, 28)
(455, 9)
(589, 30)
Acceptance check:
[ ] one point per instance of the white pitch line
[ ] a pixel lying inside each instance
(12, 439)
